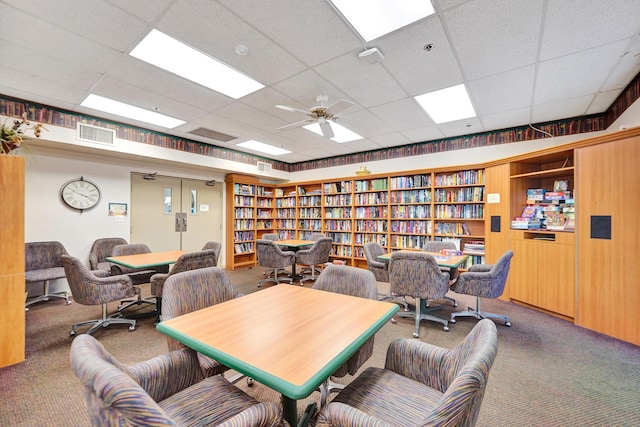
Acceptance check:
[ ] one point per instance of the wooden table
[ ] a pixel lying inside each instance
(442, 260)
(152, 259)
(289, 338)
(295, 245)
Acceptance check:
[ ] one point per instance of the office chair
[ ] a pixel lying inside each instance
(97, 288)
(42, 264)
(216, 247)
(271, 256)
(318, 254)
(102, 248)
(437, 246)
(167, 390)
(381, 271)
(355, 282)
(417, 274)
(483, 281)
(420, 385)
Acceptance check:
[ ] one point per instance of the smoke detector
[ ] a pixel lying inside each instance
(371, 56)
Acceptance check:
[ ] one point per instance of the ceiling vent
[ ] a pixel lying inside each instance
(212, 134)
(91, 133)
(265, 167)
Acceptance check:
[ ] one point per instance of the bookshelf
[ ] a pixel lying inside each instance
(309, 205)
(370, 211)
(265, 213)
(337, 218)
(243, 218)
(285, 211)
(458, 204)
(410, 208)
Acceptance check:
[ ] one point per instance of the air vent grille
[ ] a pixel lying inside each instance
(264, 167)
(212, 134)
(90, 133)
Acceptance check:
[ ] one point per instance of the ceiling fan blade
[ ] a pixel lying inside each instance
(339, 106)
(325, 127)
(293, 109)
(296, 124)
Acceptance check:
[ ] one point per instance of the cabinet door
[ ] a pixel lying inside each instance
(556, 277)
(524, 272)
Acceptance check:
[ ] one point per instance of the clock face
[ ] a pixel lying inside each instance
(80, 194)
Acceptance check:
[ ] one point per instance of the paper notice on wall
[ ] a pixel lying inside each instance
(204, 208)
(493, 198)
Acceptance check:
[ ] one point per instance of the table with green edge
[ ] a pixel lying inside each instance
(288, 338)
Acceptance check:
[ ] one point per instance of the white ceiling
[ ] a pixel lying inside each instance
(522, 61)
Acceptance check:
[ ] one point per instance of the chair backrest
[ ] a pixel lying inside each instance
(43, 255)
(316, 236)
(103, 248)
(215, 246)
(379, 268)
(318, 253)
(270, 236)
(270, 255)
(417, 274)
(111, 393)
(128, 249)
(194, 260)
(437, 246)
(463, 376)
(356, 282)
(485, 284)
(193, 290)
(89, 289)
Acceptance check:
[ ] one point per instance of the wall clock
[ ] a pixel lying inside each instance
(80, 194)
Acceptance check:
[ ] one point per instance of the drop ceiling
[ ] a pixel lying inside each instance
(522, 62)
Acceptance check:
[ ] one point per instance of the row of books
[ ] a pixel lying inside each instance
(371, 185)
(468, 177)
(361, 238)
(379, 226)
(466, 194)
(413, 181)
(379, 198)
(243, 213)
(459, 211)
(410, 196)
(417, 226)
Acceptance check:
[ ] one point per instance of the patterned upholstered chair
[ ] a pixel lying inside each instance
(483, 281)
(102, 248)
(418, 275)
(437, 246)
(187, 261)
(316, 255)
(306, 270)
(214, 246)
(97, 288)
(420, 385)
(167, 390)
(316, 236)
(270, 236)
(356, 282)
(193, 290)
(271, 256)
(270, 272)
(379, 268)
(41, 264)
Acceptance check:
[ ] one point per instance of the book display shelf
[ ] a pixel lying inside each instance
(401, 211)
(542, 228)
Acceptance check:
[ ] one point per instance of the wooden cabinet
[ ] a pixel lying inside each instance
(542, 272)
(608, 184)
(12, 284)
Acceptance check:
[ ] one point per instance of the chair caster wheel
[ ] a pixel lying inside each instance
(415, 335)
(393, 320)
(250, 382)
(508, 324)
(452, 320)
(446, 329)
(132, 328)
(455, 304)
(72, 333)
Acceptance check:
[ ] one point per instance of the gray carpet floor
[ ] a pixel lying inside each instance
(548, 372)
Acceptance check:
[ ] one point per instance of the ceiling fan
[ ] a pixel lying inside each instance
(320, 114)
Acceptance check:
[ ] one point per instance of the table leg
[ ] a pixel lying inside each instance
(290, 410)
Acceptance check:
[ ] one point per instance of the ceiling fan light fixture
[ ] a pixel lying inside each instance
(341, 133)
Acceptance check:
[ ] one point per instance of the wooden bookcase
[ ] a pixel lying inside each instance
(309, 205)
(241, 219)
(286, 213)
(543, 271)
(337, 217)
(410, 209)
(265, 212)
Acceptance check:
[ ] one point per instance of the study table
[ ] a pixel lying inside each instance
(295, 245)
(451, 261)
(289, 338)
(148, 260)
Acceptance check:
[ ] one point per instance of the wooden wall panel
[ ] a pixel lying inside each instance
(12, 284)
(608, 184)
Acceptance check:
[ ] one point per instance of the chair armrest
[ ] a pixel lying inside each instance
(93, 261)
(180, 369)
(338, 414)
(418, 361)
(101, 273)
(260, 415)
(480, 268)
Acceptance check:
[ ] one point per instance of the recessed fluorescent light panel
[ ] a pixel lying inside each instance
(375, 18)
(447, 105)
(125, 110)
(263, 148)
(340, 133)
(176, 57)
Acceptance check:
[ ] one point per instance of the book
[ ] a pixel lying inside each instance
(529, 211)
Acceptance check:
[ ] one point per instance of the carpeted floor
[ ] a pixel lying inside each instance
(548, 372)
